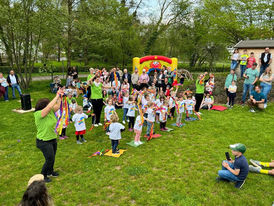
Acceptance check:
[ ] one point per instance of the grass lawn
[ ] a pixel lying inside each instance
(177, 169)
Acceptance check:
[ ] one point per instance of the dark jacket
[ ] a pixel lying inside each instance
(16, 77)
(128, 77)
(111, 77)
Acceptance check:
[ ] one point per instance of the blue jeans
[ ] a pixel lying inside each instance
(247, 87)
(263, 67)
(149, 125)
(234, 64)
(114, 144)
(15, 86)
(6, 95)
(243, 67)
(265, 90)
(226, 174)
(125, 114)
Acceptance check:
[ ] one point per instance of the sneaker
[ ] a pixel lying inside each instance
(95, 125)
(100, 124)
(256, 163)
(130, 129)
(162, 129)
(117, 152)
(139, 142)
(61, 138)
(136, 143)
(265, 105)
(78, 142)
(123, 122)
(165, 129)
(227, 104)
(54, 174)
(83, 140)
(239, 184)
(199, 113)
(47, 180)
(108, 133)
(252, 110)
(254, 169)
(128, 120)
(218, 179)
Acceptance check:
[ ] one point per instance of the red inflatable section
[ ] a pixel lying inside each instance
(162, 58)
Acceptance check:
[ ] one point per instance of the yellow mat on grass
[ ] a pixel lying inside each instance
(109, 153)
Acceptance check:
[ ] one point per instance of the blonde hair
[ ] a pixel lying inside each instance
(78, 109)
(149, 104)
(269, 73)
(114, 117)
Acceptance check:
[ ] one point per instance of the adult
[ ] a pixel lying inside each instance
(111, 77)
(237, 170)
(45, 122)
(97, 98)
(89, 78)
(265, 60)
(13, 81)
(74, 73)
(69, 78)
(228, 81)
(120, 72)
(165, 85)
(4, 84)
(266, 83)
(257, 99)
(243, 62)
(127, 76)
(161, 79)
(143, 80)
(200, 89)
(36, 193)
(234, 59)
(259, 167)
(251, 76)
(135, 79)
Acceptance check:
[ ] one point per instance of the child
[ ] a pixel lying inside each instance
(86, 103)
(163, 116)
(115, 129)
(58, 113)
(131, 113)
(109, 110)
(208, 102)
(232, 93)
(150, 119)
(180, 110)
(79, 123)
(250, 60)
(125, 107)
(138, 130)
(159, 103)
(172, 103)
(189, 105)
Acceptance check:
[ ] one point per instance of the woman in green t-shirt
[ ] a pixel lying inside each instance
(200, 89)
(45, 122)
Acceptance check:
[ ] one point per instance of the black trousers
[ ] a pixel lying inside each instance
(131, 122)
(88, 92)
(199, 99)
(172, 111)
(231, 97)
(48, 148)
(114, 145)
(63, 132)
(97, 109)
(162, 125)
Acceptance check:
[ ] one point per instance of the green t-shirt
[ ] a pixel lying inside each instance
(252, 74)
(244, 62)
(90, 77)
(96, 91)
(229, 79)
(200, 88)
(45, 126)
(70, 100)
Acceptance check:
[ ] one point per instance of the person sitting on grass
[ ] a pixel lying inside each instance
(115, 129)
(207, 102)
(36, 193)
(237, 170)
(256, 100)
(257, 168)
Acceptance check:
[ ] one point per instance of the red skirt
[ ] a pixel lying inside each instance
(80, 132)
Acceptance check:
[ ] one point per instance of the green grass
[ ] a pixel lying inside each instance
(177, 169)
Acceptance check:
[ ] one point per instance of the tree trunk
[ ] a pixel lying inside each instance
(69, 2)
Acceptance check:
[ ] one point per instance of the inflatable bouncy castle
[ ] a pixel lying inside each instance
(155, 63)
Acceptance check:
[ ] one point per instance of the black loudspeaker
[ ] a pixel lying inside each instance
(25, 102)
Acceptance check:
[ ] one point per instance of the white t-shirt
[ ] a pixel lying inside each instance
(125, 104)
(150, 115)
(12, 79)
(181, 105)
(235, 56)
(131, 110)
(144, 103)
(171, 102)
(163, 114)
(4, 82)
(115, 86)
(79, 121)
(109, 110)
(189, 104)
(73, 106)
(115, 130)
(232, 89)
(138, 123)
(159, 104)
(208, 100)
